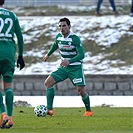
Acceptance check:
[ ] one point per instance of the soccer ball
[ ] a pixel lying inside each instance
(40, 111)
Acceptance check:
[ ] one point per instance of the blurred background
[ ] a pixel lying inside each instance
(107, 40)
(57, 2)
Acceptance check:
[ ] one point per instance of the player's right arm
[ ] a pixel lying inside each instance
(52, 49)
(45, 57)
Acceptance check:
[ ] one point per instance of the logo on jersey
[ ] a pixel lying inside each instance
(66, 46)
(69, 43)
(77, 80)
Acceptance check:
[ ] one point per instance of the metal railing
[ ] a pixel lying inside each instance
(35, 3)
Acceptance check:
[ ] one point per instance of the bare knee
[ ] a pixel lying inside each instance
(6, 85)
(49, 82)
(46, 83)
(81, 90)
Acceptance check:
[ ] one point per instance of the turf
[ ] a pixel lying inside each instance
(70, 120)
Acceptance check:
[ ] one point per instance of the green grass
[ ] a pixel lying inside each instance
(70, 120)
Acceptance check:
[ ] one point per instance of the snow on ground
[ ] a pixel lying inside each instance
(76, 101)
(117, 26)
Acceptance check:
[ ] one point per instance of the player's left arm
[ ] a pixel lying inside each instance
(20, 61)
(79, 49)
(20, 41)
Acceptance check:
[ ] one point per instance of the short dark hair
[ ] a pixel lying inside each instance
(2, 2)
(65, 19)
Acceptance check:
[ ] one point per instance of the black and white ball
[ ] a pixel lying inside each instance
(40, 111)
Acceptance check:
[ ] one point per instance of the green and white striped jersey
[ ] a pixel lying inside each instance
(9, 25)
(70, 48)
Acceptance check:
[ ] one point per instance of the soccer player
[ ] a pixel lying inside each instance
(112, 3)
(9, 25)
(72, 53)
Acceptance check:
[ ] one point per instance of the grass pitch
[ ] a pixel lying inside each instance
(71, 120)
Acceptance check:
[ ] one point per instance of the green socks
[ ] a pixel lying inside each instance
(86, 101)
(50, 97)
(9, 100)
(2, 107)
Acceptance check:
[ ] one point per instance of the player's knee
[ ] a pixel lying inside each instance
(45, 83)
(81, 91)
(48, 84)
